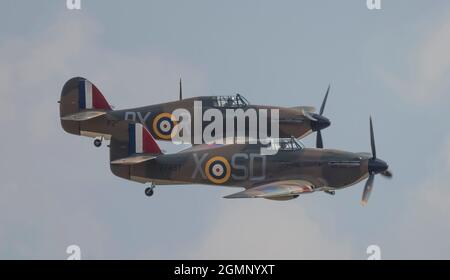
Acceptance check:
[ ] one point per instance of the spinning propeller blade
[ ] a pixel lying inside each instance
(375, 166)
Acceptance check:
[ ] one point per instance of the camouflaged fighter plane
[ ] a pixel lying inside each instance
(85, 111)
(292, 171)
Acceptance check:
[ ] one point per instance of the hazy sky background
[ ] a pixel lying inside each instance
(56, 189)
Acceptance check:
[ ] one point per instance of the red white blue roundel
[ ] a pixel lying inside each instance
(163, 126)
(218, 170)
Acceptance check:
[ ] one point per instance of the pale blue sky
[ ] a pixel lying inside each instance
(393, 64)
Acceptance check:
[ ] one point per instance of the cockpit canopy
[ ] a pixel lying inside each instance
(287, 144)
(231, 101)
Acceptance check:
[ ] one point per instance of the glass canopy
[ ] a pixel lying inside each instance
(231, 101)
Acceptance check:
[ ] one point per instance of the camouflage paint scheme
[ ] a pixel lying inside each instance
(285, 175)
(291, 171)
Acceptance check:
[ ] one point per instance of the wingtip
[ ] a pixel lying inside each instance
(236, 195)
(242, 194)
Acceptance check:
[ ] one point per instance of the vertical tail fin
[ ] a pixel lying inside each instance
(141, 141)
(80, 100)
(132, 144)
(90, 97)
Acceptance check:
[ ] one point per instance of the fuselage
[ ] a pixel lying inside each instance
(244, 166)
(157, 119)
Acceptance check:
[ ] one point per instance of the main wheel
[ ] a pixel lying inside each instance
(97, 143)
(330, 192)
(149, 191)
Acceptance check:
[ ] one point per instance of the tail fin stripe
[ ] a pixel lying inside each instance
(132, 141)
(88, 95)
(81, 94)
(141, 141)
(149, 144)
(139, 129)
(98, 100)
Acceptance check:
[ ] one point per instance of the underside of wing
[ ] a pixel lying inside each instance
(281, 190)
(83, 115)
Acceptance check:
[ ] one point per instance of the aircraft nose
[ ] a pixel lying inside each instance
(320, 123)
(377, 166)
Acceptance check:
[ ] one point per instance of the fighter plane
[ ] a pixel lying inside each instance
(290, 172)
(85, 111)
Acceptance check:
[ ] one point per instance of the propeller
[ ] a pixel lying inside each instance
(319, 141)
(319, 122)
(387, 174)
(375, 166)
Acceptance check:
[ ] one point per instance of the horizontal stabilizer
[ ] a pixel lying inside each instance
(83, 116)
(134, 159)
(276, 190)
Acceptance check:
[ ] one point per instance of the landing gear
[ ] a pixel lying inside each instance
(149, 190)
(98, 142)
(330, 192)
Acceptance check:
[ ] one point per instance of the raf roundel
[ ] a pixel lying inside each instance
(163, 126)
(218, 170)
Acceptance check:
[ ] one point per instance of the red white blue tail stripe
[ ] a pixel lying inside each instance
(90, 97)
(141, 141)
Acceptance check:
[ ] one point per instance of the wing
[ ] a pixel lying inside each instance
(83, 115)
(276, 190)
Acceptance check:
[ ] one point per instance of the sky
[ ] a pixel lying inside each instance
(57, 190)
